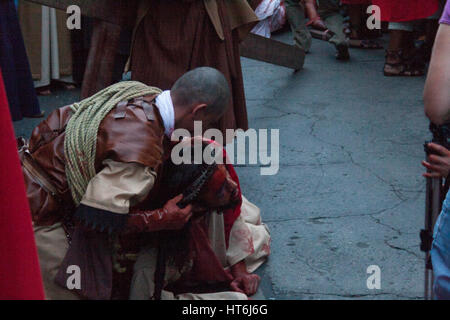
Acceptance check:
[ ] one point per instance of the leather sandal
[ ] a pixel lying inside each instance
(396, 65)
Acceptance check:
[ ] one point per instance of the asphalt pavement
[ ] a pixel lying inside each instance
(349, 192)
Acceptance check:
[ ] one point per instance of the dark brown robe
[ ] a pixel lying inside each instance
(174, 37)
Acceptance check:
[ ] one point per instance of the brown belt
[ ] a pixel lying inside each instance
(33, 170)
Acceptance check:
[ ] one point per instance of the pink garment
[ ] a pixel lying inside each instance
(271, 15)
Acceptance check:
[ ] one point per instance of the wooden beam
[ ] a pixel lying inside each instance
(122, 12)
(272, 51)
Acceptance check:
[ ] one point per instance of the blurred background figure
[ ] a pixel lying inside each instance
(324, 21)
(437, 108)
(271, 15)
(405, 18)
(295, 14)
(48, 45)
(329, 11)
(15, 67)
(358, 33)
(314, 19)
(181, 35)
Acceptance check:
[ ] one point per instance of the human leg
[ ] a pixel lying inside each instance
(295, 13)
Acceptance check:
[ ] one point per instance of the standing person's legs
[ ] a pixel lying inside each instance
(355, 15)
(15, 67)
(440, 253)
(360, 35)
(400, 48)
(295, 13)
(329, 11)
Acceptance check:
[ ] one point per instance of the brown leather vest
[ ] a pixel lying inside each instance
(133, 131)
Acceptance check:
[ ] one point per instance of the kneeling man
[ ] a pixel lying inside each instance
(213, 256)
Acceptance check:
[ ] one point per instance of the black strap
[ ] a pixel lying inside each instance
(426, 239)
(160, 272)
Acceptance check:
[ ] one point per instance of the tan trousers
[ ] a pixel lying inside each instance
(52, 246)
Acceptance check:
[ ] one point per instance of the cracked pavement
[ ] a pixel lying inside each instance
(349, 191)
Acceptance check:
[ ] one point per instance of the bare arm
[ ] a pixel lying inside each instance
(437, 87)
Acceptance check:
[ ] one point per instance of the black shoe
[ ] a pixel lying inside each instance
(342, 52)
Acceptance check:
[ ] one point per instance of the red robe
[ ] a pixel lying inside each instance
(20, 276)
(406, 10)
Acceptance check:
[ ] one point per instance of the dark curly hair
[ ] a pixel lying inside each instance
(187, 179)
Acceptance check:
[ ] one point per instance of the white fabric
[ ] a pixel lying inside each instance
(49, 50)
(271, 15)
(45, 49)
(165, 107)
(217, 237)
(249, 238)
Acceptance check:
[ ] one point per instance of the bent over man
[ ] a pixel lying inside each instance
(87, 165)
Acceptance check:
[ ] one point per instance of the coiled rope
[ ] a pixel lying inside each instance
(82, 129)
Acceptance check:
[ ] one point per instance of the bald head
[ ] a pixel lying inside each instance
(202, 85)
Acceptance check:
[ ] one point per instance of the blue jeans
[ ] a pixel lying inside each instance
(440, 252)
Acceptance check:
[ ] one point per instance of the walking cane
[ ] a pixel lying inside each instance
(434, 197)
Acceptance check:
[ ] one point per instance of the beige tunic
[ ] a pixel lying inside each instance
(115, 188)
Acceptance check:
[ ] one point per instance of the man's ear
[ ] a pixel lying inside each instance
(199, 109)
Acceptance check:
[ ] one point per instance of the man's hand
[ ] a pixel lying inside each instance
(174, 217)
(438, 163)
(244, 282)
(170, 217)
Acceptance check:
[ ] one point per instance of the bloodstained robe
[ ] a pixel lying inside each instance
(173, 37)
(207, 275)
(215, 242)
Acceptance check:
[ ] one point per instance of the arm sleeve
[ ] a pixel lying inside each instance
(118, 186)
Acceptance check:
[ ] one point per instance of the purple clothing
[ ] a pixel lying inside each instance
(446, 15)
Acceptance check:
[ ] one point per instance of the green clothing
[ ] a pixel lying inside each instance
(328, 10)
(295, 14)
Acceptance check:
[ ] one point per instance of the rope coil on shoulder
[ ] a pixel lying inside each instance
(82, 129)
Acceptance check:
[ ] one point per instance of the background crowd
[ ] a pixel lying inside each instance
(39, 53)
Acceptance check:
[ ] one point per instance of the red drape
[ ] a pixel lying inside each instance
(20, 276)
(406, 10)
